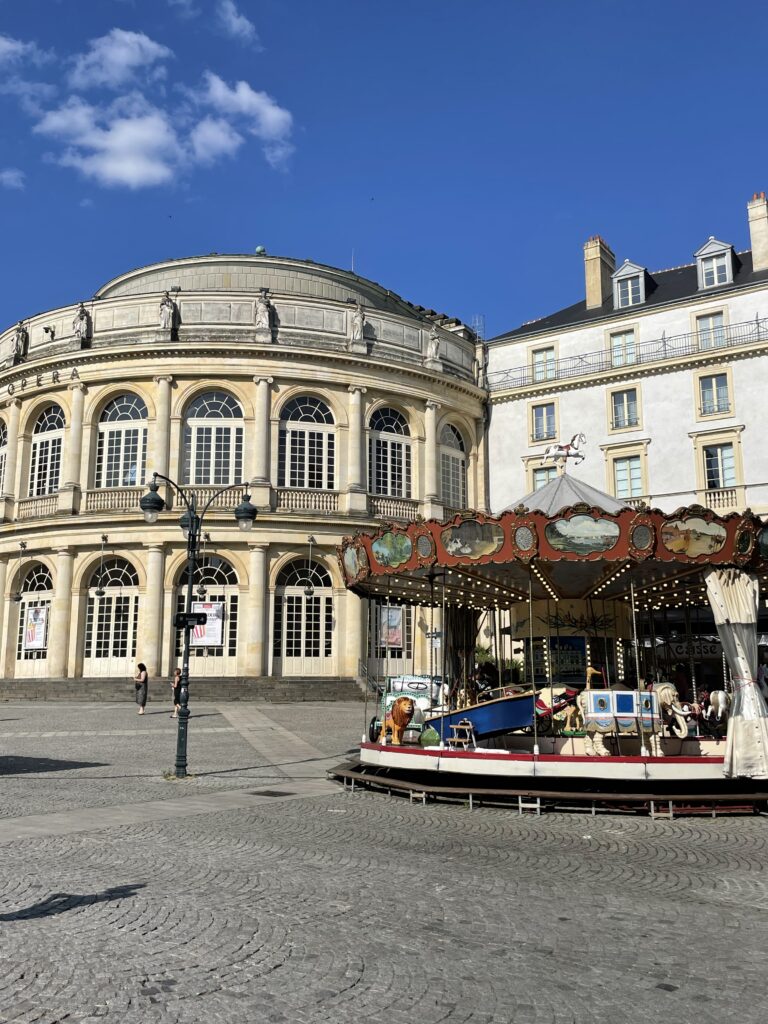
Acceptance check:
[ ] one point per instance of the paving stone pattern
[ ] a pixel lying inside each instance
(257, 891)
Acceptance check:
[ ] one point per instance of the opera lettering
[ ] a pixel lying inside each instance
(39, 380)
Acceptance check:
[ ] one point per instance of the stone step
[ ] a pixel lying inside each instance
(268, 689)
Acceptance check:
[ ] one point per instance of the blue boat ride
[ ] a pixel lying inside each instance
(488, 718)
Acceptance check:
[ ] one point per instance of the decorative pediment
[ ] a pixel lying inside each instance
(628, 269)
(712, 247)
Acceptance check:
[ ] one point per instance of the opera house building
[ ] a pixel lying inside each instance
(338, 405)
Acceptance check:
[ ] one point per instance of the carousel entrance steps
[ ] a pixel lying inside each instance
(266, 688)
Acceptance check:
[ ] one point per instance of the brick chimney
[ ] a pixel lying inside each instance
(757, 209)
(599, 264)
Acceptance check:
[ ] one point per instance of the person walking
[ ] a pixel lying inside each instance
(176, 690)
(141, 679)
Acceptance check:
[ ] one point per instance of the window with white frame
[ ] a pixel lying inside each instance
(627, 476)
(624, 409)
(628, 291)
(389, 454)
(45, 457)
(714, 270)
(306, 445)
(542, 475)
(543, 361)
(710, 329)
(213, 440)
(543, 422)
(719, 466)
(3, 453)
(713, 394)
(623, 351)
(121, 452)
(453, 467)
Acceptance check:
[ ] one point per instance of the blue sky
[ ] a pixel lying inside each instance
(463, 149)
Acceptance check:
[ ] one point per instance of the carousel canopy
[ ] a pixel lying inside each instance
(565, 541)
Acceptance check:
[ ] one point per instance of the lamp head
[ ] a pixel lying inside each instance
(152, 504)
(309, 590)
(245, 513)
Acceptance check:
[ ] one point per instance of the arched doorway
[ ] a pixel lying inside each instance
(213, 650)
(36, 593)
(303, 625)
(111, 620)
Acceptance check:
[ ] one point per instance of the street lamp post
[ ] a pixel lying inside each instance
(191, 523)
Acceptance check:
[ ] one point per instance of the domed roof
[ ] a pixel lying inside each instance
(251, 273)
(564, 491)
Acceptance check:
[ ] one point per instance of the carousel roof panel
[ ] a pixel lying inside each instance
(564, 491)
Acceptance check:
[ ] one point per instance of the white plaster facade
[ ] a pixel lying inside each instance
(71, 477)
(569, 365)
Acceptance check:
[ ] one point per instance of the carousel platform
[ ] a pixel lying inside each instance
(540, 793)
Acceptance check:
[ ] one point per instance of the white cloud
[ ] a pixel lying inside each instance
(265, 119)
(235, 24)
(12, 177)
(213, 138)
(31, 95)
(135, 151)
(184, 8)
(114, 59)
(14, 51)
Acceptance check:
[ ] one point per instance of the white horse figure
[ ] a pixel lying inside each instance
(563, 452)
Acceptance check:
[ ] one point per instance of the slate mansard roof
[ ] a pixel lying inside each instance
(663, 287)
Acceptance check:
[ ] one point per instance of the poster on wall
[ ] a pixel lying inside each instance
(34, 629)
(212, 633)
(391, 627)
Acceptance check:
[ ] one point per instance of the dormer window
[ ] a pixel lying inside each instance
(628, 285)
(714, 264)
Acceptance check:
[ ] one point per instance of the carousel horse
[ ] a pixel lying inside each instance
(563, 452)
(719, 705)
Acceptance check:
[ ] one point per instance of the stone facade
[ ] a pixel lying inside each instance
(330, 434)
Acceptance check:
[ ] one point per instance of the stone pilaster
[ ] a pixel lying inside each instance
(9, 491)
(431, 502)
(70, 490)
(261, 492)
(357, 496)
(256, 629)
(61, 614)
(150, 611)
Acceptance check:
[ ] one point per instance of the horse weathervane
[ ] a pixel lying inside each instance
(560, 453)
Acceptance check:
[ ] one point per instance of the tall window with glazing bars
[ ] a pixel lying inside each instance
(306, 445)
(45, 457)
(389, 454)
(121, 452)
(213, 440)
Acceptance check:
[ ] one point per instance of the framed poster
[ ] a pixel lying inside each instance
(212, 633)
(35, 623)
(391, 627)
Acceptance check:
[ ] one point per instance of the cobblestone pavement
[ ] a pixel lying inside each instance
(256, 891)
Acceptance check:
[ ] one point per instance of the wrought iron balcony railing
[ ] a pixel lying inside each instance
(655, 351)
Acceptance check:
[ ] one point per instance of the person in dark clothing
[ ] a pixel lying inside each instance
(141, 679)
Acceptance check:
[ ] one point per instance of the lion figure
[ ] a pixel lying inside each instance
(401, 713)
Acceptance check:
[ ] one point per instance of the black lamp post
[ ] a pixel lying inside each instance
(191, 523)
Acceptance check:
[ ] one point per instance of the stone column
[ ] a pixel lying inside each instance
(431, 502)
(255, 625)
(481, 502)
(260, 484)
(9, 493)
(357, 490)
(162, 426)
(151, 607)
(61, 614)
(69, 492)
(351, 646)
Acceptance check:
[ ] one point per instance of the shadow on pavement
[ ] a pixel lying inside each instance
(61, 902)
(28, 765)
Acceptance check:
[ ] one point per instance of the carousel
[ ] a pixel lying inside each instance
(623, 654)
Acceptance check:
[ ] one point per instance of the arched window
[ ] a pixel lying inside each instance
(302, 636)
(121, 453)
(34, 612)
(3, 454)
(217, 594)
(306, 445)
(112, 619)
(45, 460)
(213, 451)
(389, 454)
(453, 467)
